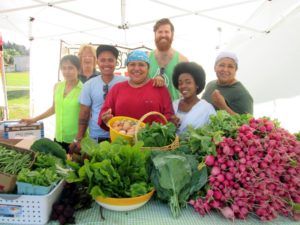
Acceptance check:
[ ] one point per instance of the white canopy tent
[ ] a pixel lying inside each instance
(263, 33)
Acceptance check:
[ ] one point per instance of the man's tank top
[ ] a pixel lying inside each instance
(168, 72)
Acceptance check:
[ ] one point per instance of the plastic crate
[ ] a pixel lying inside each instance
(28, 209)
(30, 189)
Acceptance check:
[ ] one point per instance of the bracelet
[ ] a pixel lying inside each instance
(76, 140)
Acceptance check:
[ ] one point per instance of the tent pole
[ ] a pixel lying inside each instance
(60, 56)
(201, 13)
(289, 13)
(124, 24)
(123, 11)
(84, 16)
(4, 107)
(42, 4)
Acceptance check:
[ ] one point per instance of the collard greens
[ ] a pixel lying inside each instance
(175, 177)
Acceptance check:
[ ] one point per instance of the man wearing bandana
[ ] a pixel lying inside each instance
(164, 58)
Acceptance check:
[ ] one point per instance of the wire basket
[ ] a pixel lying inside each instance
(172, 146)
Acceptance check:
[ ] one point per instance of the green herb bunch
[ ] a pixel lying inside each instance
(203, 141)
(157, 134)
(42, 177)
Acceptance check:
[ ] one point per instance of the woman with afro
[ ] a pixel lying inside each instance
(189, 78)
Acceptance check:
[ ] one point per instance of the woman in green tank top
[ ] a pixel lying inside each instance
(65, 102)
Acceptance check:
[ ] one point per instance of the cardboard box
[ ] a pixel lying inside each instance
(25, 143)
(8, 181)
(10, 141)
(16, 130)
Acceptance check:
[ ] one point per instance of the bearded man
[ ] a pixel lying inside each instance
(164, 58)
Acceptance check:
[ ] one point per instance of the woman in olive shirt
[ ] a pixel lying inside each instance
(227, 93)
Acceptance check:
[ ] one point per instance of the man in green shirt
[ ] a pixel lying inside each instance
(164, 58)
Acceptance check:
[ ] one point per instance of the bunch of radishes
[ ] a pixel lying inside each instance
(256, 172)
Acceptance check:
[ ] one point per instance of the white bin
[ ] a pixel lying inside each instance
(28, 209)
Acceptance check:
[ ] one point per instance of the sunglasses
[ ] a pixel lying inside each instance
(105, 90)
(162, 71)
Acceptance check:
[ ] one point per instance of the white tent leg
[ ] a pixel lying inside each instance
(3, 94)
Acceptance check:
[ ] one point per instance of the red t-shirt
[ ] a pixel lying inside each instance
(125, 100)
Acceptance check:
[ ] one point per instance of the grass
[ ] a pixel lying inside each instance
(17, 79)
(17, 95)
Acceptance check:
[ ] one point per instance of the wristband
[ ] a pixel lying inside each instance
(76, 140)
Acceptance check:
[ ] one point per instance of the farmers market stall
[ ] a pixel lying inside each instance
(157, 213)
(234, 170)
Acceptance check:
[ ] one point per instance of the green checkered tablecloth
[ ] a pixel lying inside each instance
(157, 213)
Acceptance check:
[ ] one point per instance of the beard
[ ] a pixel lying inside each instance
(163, 44)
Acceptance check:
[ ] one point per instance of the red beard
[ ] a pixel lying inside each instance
(163, 45)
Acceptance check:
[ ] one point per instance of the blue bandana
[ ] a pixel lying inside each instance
(138, 55)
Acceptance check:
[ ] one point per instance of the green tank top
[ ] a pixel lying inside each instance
(168, 72)
(67, 112)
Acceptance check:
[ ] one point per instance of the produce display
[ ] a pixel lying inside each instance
(236, 164)
(253, 169)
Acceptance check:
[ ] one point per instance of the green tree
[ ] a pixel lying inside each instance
(11, 50)
(19, 48)
(9, 54)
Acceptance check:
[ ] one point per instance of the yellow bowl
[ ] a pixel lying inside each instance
(124, 204)
(114, 133)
